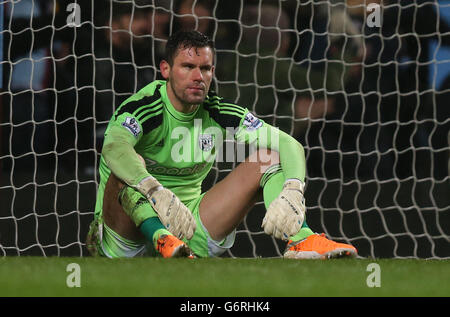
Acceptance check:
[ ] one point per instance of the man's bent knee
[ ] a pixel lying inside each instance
(264, 158)
(114, 214)
(124, 208)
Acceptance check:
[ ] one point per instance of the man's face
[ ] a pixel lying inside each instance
(190, 75)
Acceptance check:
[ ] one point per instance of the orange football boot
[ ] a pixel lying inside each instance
(318, 247)
(171, 247)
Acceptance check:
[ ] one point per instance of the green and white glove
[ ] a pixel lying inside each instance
(286, 213)
(174, 215)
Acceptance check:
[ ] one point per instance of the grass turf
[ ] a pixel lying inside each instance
(222, 277)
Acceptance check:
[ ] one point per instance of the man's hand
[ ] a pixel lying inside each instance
(174, 215)
(286, 213)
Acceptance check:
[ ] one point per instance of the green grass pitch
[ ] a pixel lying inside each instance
(222, 277)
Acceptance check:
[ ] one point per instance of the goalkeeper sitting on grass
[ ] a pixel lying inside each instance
(156, 155)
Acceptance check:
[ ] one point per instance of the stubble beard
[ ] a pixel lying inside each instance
(184, 99)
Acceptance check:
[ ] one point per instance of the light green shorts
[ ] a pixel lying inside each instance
(103, 241)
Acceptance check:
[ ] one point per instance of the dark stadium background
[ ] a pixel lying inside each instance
(399, 214)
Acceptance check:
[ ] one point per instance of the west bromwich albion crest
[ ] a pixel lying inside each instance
(205, 142)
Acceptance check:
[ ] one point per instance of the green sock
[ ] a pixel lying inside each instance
(152, 228)
(272, 183)
(304, 233)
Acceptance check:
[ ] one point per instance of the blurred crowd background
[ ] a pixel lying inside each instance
(360, 98)
(368, 103)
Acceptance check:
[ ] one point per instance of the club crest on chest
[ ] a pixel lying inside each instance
(205, 142)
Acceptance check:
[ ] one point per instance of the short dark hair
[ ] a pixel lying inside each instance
(186, 39)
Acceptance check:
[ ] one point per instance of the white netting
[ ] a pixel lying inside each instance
(367, 96)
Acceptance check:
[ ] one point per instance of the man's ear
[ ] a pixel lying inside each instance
(164, 67)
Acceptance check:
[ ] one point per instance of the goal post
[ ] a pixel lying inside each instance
(364, 85)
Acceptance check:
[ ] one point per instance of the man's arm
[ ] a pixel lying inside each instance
(285, 215)
(124, 162)
(263, 135)
(121, 158)
(292, 154)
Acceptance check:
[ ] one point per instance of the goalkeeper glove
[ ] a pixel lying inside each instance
(286, 213)
(174, 215)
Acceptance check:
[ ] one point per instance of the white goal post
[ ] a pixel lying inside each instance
(364, 85)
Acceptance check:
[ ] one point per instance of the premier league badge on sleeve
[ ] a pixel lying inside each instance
(132, 125)
(251, 122)
(205, 142)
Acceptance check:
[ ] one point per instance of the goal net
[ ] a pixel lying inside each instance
(364, 85)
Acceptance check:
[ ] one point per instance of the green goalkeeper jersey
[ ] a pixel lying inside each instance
(179, 149)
